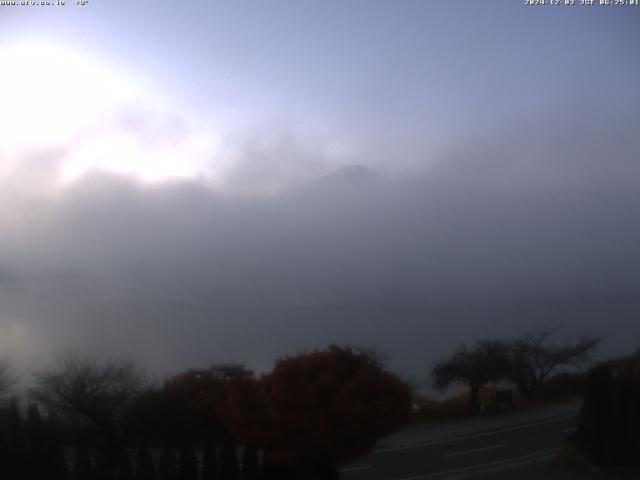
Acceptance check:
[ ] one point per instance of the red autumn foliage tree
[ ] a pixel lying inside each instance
(245, 411)
(317, 410)
(180, 412)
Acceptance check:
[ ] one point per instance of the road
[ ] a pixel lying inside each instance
(462, 457)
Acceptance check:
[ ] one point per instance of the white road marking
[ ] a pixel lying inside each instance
(488, 467)
(466, 452)
(475, 435)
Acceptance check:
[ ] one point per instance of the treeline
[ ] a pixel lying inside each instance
(31, 449)
(609, 425)
(310, 414)
(608, 432)
(526, 362)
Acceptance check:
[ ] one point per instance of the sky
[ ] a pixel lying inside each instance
(233, 181)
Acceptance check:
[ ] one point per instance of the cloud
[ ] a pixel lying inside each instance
(491, 238)
(268, 160)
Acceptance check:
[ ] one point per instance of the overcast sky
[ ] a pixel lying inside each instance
(235, 180)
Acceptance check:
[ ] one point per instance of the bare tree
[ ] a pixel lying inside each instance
(485, 362)
(92, 393)
(534, 356)
(7, 379)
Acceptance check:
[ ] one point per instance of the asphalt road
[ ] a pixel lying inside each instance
(468, 455)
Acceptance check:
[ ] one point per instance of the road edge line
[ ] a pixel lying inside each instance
(473, 435)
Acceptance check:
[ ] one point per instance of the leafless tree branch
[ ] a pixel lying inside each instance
(91, 392)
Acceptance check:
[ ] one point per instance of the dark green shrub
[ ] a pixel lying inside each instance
(187, 464)
(17, 465)
(56, 462)
(229, 469)
(609, 425)
(167, 468)
(124, 470)
(210, 463)
(37, 457)
(82, 468)
(250, 464)
(145, 469)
